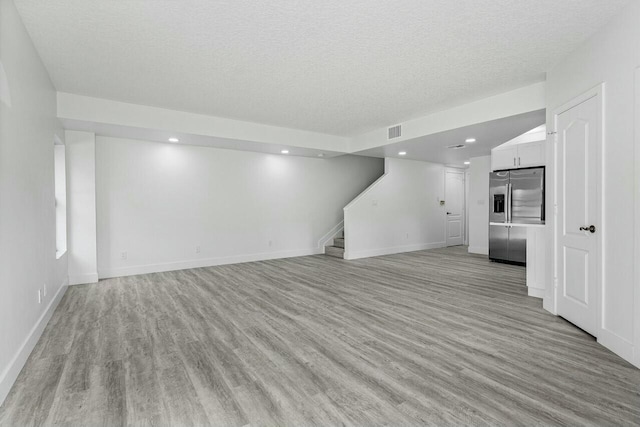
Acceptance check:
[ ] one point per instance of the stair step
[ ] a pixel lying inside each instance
(334, 251)
(339, 242)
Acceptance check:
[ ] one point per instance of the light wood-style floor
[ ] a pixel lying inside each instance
(425, 338)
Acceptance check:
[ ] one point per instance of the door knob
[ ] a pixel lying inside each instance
(448, 213)
(591, 228)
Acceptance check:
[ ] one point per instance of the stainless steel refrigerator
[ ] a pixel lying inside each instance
(517, 198)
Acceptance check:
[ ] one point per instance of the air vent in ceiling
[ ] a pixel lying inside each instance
(395, 132)
(456, 147)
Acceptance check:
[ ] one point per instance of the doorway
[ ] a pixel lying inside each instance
(578, 145)
(454, 195)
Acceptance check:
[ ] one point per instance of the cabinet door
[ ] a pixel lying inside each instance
(530, 154)
(499, 242)
(518, 244)
(504, 158)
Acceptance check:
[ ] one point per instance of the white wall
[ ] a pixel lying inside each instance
(81, 176)
(479, 205)
(399, 213)
(28, 127)
(610, 56)
(159, 202)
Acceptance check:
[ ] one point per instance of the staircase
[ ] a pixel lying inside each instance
(337, 249)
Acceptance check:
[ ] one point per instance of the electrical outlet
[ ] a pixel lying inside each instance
(44, 290)
(123, 255)
(407, 236)
(270, 243)
(197, 249)
(39, 296)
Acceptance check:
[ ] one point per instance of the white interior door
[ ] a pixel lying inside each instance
(578, 257)
(454, 203)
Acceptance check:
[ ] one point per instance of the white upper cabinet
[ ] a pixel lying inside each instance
(518, 156)
(531, 154)
(504, 158)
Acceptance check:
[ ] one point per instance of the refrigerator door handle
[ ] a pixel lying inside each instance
(509, 199)
(506, 203)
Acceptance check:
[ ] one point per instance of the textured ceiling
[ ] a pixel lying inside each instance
(332, 66)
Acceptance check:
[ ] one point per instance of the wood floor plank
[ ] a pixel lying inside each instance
(435, 337)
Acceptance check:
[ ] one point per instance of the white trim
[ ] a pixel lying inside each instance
(636, 306)
(330, 235)
(617, 344)
(551, 177)
(393, 250)
(83, 279)
(478, 250)
(536, 293)
(467, 181)
(208, 262)
(10, 374)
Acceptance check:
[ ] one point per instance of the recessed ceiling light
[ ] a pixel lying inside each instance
(285, 151)
(321, 155)
(402, 153)
(174, 140)
(467, 163)
(470, 140)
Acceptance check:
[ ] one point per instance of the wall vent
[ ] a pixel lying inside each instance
(395, 132)
(457, 146)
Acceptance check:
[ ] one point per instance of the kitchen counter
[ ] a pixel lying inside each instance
(536, 246)
(518, 224)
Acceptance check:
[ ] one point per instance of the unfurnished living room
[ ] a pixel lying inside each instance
(319, 213)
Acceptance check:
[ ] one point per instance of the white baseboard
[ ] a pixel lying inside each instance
(205, 262)
(618, 345)
(83, 279)
(535, 292)
(478, 250)
(393, 250)
(547, 304)
(9, 376)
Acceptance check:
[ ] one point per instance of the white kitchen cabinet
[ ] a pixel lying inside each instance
(518, 156)
(531, 154)
(504, 158)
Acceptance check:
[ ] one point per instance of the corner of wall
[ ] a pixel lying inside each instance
(478, 250)
(10, 374)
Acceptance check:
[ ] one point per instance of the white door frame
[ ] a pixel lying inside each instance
(599, 93)
(636, 307)
(467, 175)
